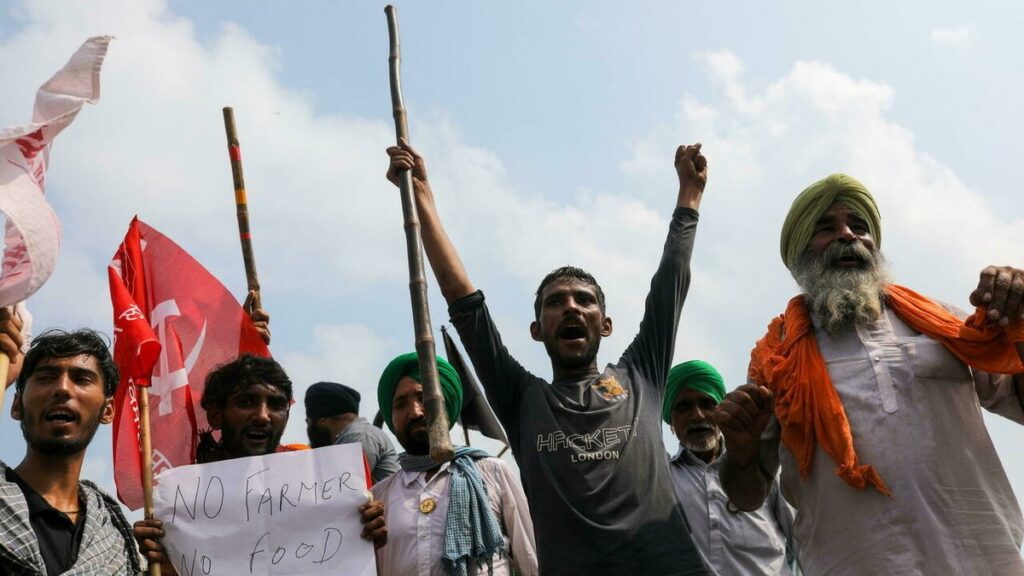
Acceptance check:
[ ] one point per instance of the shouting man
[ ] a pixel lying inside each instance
(468, 516)
(876, 392)
(589, 443)
(51, 521)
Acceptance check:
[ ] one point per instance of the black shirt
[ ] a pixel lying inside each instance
(590, 449)
(59, 537)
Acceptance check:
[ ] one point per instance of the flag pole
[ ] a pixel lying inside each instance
(242, 207)
(5, 368)
(147, 463)
(437, 418)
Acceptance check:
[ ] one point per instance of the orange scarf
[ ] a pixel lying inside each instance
(787, 361)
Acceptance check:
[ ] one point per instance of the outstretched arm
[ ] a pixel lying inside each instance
(444, 260)
(652, 349)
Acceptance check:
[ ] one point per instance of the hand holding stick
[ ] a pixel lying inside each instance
(437, 418)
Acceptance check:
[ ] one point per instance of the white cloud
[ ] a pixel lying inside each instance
(353, 355)
(958, 36)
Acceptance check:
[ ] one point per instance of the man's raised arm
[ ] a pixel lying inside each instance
(444, 260)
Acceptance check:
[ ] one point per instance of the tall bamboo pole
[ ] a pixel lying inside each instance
(437, 418)
(147, 464)
(241, 206)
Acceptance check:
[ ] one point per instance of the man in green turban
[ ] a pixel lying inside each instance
(749, 543)
(464, 517)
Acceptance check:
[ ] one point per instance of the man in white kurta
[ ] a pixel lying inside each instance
(869, 396)
(418, 499)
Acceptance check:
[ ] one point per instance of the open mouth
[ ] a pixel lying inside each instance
(572, 332)
(257, 435)
(849, 261)
(700, 429)
(61, 416)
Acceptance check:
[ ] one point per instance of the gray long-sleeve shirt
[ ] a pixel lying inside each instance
(380, 453)
(733, 541)
(590, 450)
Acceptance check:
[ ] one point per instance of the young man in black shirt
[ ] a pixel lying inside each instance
(51, 521)
(589, 443)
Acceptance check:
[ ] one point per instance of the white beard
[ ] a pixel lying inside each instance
(700, 447)
(838, 296)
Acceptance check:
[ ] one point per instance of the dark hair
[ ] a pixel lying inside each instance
(241, 373)
(61, 344)
(567, 273)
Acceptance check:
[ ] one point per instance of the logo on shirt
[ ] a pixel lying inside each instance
(610, 388)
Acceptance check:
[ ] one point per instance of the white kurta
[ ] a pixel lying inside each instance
(416, 539)
(915, 413)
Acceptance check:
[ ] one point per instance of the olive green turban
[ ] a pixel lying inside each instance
(409, 365)
(814, 201)
(697, 375)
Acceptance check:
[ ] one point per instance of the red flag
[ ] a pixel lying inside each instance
(173, 323)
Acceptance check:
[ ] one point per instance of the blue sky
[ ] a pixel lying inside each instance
(548, 129)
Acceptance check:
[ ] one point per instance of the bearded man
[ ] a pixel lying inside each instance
(51, 520)
(589, 442)
(733, 542)
(248, 400)
(465, 517)
(876, 392)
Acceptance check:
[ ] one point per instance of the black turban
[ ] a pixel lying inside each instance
(330, 399)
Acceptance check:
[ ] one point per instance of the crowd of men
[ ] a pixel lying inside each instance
(856, 446)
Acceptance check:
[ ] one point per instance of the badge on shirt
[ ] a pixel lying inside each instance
(611, 389)
(427, 505)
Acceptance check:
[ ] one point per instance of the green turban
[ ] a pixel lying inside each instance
(696, 375)
(409, 365)
(814, 201)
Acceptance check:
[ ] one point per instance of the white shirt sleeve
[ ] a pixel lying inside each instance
(514, 515)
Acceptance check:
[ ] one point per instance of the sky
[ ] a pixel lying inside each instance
(549, 131)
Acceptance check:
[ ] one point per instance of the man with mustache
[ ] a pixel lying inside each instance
(468, 516)
(51, 521)
(876, 392)
(589, 443)
(733, 542)
(248, 400)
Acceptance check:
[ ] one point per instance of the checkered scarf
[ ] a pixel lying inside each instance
(107, 547)
(471, 532)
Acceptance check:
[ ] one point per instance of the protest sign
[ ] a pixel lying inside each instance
(280, 514)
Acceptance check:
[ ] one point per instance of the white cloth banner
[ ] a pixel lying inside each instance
(280, 514)
(32, 234)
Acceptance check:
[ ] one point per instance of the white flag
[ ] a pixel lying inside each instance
(32, 235)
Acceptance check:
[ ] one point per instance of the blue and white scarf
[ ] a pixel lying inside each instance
(471, 532)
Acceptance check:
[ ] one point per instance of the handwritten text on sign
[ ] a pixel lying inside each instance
(280, 514)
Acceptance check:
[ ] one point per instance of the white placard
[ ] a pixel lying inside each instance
(281, 514)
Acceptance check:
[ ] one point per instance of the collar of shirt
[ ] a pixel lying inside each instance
(409, 478)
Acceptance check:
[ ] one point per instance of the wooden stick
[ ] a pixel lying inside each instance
(241, 206)
(5, 366)
(433, 401)
(147, 464)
